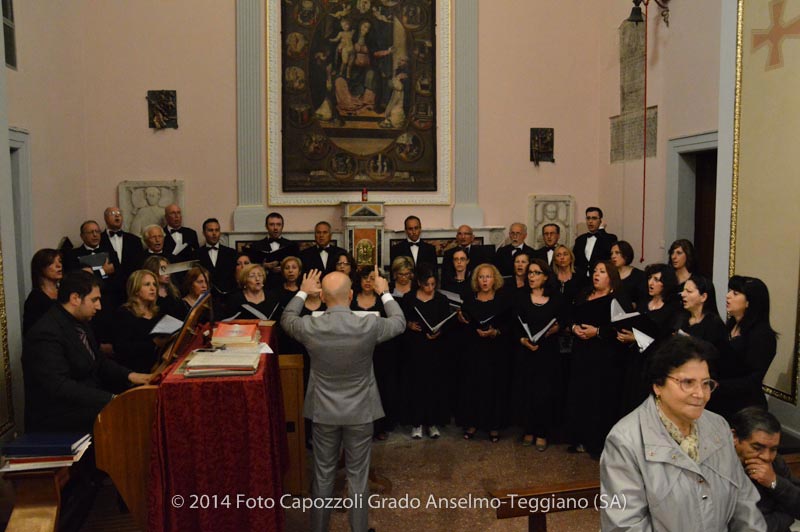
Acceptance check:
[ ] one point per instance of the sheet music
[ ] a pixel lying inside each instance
(255, 312)
(179, 266)
(438, 326)
(618, 313)
(642, 340)
(167, 325)
(538, 336)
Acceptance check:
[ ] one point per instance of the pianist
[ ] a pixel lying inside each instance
(67, 379)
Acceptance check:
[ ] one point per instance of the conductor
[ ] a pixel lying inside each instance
(342, 398)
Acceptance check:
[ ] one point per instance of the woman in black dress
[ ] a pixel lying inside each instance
(384, 358)
(486, 357)
(195, 284)
(596, 365)
(753, 344)
(700, 317)
(633, 280)
(661, 308)
(460, 282)
(402, 276)
(459, 336)
(46, 273)
(425, 353)
(564, 270)
(537, 366)
(251, 297)
(291, 270)
(134, 346)
(347, 265)
(169, 298)
(681, 258)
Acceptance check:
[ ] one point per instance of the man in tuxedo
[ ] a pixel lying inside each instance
(504, 257)
(91, 236)
(550, 234)
(272, 249)
(127, 246)
(178, 237)
(323, 255)
(477, 254)
(219, 260)
(66, 377)
(594, 245)
(153, 240)
(342, 397)
(419, 251)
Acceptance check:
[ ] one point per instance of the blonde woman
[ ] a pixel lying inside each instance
(134, 346)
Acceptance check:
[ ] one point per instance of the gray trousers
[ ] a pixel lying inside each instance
(357, 443)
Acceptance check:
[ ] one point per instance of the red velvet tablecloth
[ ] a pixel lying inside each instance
(219, 443)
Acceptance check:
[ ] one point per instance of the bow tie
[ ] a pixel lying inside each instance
(321, 249)
(550, 248)
(213, 247)
(93, 250)
(592, 236)
(112, 234)
(410, 243)
(275, 240)
(173, 231)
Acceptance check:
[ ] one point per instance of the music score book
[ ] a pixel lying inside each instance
(534, 339)
(434, 329)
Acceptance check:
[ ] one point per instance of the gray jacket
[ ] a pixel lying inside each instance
(341, 385)
(659, 488)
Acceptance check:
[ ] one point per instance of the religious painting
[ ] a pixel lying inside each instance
(765, 194)
(358, 95)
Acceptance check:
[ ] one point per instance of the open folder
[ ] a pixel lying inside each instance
(434, 328)
(534, 338)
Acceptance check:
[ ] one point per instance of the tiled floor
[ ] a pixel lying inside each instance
(449, 467)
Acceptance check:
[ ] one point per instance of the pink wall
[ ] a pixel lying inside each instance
(85, 71)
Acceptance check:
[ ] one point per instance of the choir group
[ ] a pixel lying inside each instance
(495, 338)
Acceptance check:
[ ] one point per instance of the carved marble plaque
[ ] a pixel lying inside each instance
(142, 202)
(547, 209)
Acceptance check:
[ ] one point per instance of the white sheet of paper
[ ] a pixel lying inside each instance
(167, 325)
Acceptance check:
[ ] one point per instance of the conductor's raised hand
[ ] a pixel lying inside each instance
(380, 285)
(311, 284)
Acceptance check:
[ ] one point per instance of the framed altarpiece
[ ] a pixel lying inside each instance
(765, 242)
(358, 96)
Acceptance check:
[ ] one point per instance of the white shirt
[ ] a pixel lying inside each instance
(591, 240)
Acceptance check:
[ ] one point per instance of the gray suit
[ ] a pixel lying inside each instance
(342, 397)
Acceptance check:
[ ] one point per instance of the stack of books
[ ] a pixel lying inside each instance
(42, 450)
(222, 363)
(236, 335)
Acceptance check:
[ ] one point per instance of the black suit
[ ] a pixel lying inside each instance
(541, 253)
(132, 252)
(477, 255)
(222, 275)
(65, 385)
(601, 250)
(113, 294)
(425, 255)
(261, 252)
(189, 238)
(312, 260)
(504, 259)
(72, 259)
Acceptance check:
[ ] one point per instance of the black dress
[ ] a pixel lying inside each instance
(595, 380)
(537, 375)
(36, 305)
(634, 288)
(236, 301)
(710, 329)
(384, 363)
(133, 345)
(742, 369)
(485, 364)
(425, 361)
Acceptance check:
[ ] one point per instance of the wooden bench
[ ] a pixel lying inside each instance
(535, 503)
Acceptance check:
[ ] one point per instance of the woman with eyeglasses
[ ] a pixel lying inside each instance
(660, 308)
(752, 347)
(537, 368)
(485, 367)
(402, 276)
(346, 264)
(670, 464)
(46, 273)
(251, 295)
(595, 379)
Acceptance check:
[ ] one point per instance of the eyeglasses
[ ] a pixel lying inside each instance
(459, 259)
(255, 276)
(339, 264)
(592, 217)
(114, 213)
(689, 385)
(92, 232)
(535, 273)
(403, 274)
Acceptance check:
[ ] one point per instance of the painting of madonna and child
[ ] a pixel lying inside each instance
(358, 95)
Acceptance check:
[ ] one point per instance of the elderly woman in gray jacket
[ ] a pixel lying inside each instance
(670, 465)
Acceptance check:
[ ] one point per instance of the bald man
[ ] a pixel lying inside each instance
(178, 236)
(342, 398)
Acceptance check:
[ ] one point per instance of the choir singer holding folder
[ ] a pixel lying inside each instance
(342, 398)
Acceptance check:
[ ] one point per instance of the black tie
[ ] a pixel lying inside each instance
(413, 244)
(271, 240)
(514, 253)
(173, 231)
(112, 234)
(213, 247)
(321, 249)
(591, 236)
